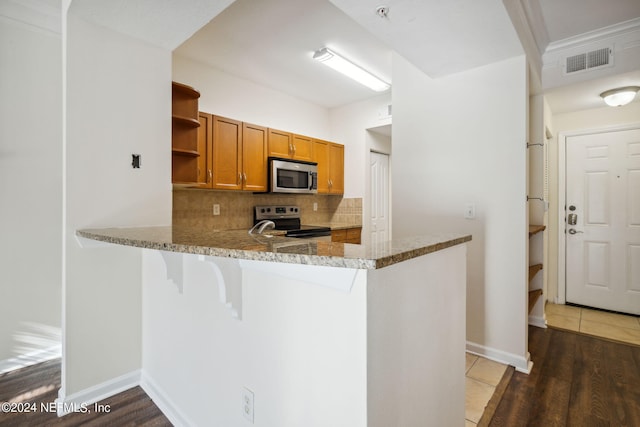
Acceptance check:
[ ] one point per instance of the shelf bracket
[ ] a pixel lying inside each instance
(229, 277)
(174, 265)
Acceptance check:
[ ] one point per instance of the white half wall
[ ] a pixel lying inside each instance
(118, 102)
(30, 188)
(461, 140)
(299, 347)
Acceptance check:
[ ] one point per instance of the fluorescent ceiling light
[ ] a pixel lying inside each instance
(349, 69)
(620, 96)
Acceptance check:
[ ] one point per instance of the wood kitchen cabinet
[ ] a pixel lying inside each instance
(227, 154)
(330, 159)
(204, 148)
(239, 160)
(185, 154)
(290, 146)
(348, 235)
(254, 157)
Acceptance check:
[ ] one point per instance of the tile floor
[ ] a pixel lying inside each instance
(482, 377)
(616, 327)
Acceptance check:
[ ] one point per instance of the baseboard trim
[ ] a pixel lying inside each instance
(537, 321)
(77, 401)
(522, 364)
(163, 402)
(31, 358)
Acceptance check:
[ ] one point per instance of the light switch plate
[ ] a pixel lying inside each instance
(470, 211)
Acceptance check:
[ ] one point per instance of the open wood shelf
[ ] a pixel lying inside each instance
(533, 269)
(186, 121)
(185, 90)
(533, 298)
(186, 153)
(533, 229)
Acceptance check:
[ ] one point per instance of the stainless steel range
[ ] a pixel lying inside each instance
(288, 218)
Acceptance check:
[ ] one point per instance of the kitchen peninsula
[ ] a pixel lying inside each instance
(318, 333)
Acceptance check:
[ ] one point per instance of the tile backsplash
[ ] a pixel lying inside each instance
(194, 208)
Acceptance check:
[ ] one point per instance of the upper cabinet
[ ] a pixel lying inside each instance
(185, 155)
(302, 148)
(210, 151)
(254, 157)
(227, 154)
(238, 155)
(290, 146)
(330, 159)
(205, 132)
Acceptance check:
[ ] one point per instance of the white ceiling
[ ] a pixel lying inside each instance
(569, 18)
(271, 41)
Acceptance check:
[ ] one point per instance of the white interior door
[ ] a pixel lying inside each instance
(603, 247)
(379, 169)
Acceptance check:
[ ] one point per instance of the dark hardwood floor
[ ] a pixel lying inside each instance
(576, 380)
(37, 386)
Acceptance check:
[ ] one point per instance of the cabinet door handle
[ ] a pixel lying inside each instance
(290, 148)
(294, 150)
(239, 178)
(209, 175)
(244, 177)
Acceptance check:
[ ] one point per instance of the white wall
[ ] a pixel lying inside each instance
(349, 124)
(30, 187)
(462, 139)
(118, 103)
(576, 121)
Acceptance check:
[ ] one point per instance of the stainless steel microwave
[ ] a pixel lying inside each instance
(292, 176)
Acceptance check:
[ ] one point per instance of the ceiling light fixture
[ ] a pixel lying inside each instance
(620, 96)
(349, 69)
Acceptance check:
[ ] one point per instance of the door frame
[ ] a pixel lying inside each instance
(562, 197)
(369, 193)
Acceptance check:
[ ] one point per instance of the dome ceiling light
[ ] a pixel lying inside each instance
(620, 96)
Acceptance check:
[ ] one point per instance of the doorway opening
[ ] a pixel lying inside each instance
(599, 217)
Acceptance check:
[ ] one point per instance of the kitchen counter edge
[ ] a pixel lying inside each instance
(329, 254)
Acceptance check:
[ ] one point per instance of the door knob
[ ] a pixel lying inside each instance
(574, 231)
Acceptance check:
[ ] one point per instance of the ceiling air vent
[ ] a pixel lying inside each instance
(588, 60)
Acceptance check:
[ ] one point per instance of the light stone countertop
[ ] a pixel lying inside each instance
(275, 248)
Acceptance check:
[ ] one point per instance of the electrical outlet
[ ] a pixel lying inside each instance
(315, 206)
(470, 211)
(247, 404)
(216, 209)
